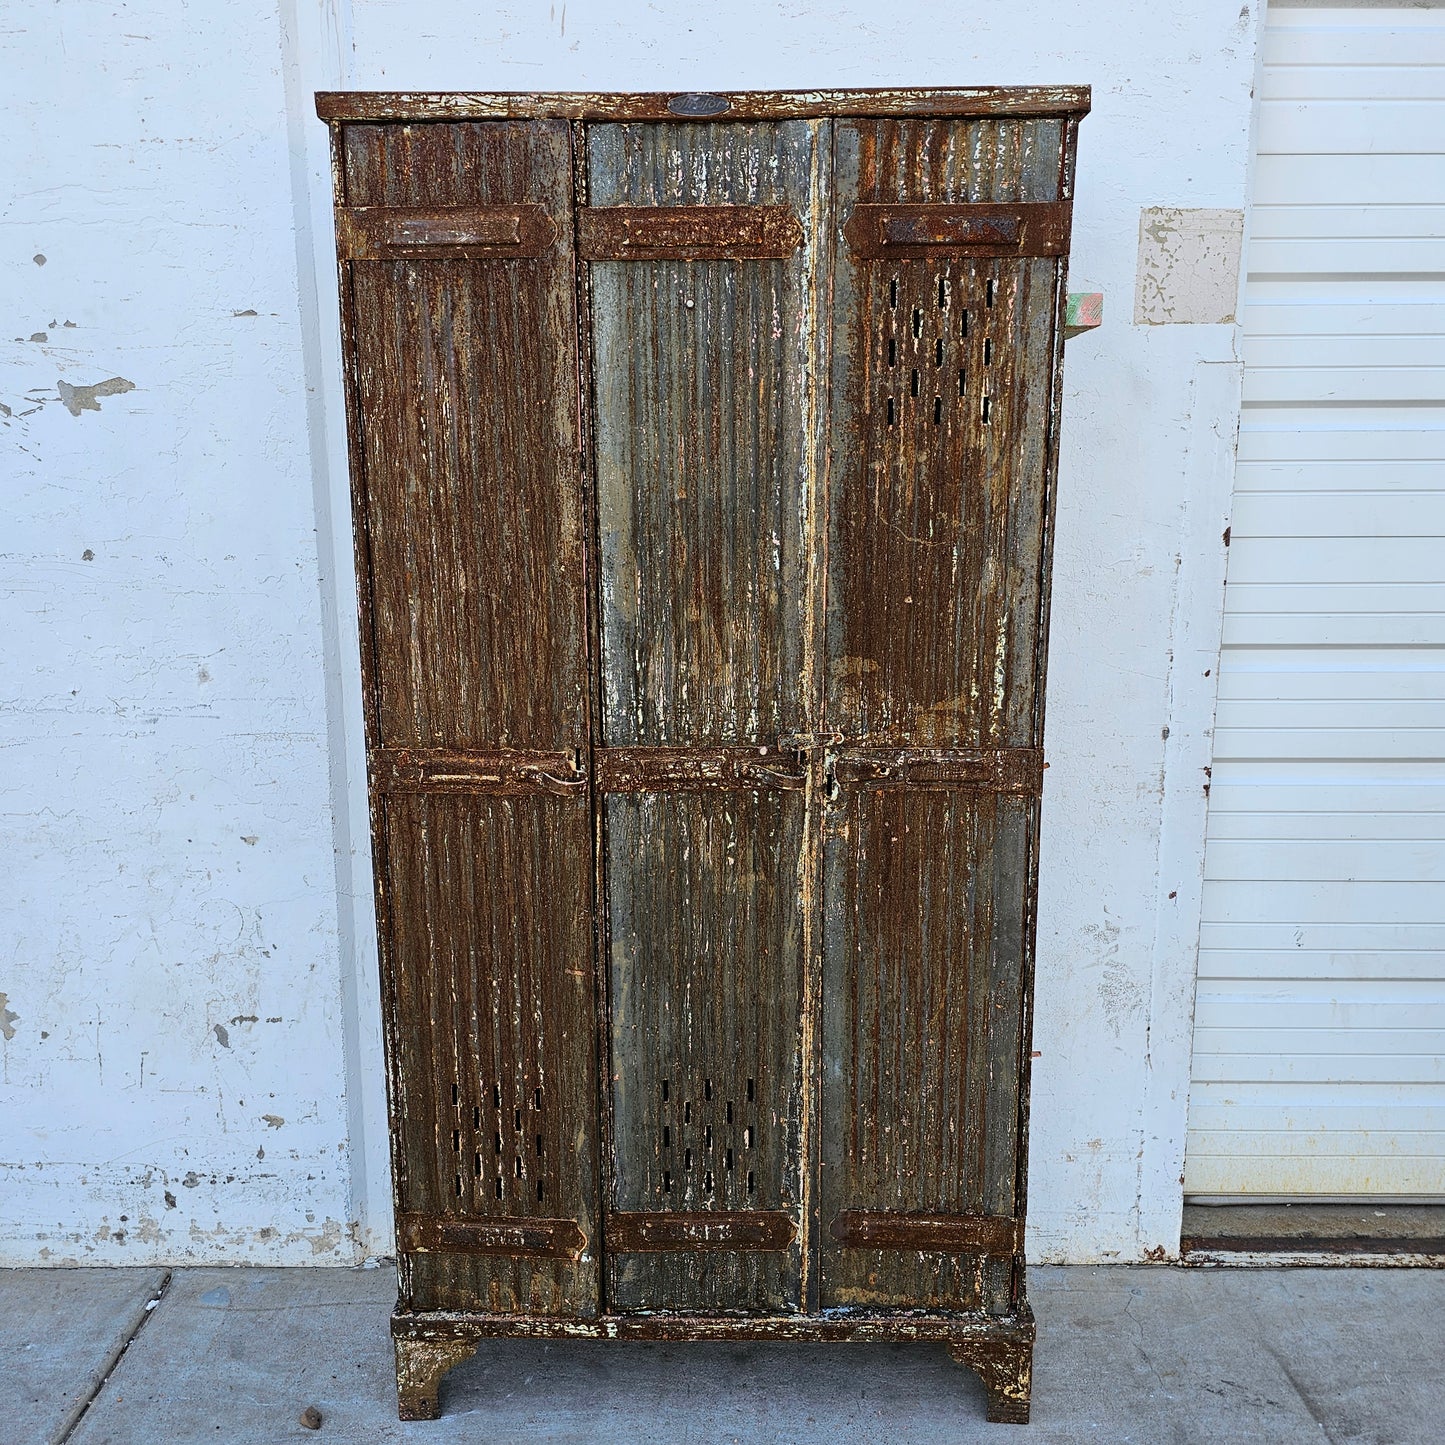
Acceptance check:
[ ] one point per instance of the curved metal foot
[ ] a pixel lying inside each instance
(1006, 1369)
(421, 1361)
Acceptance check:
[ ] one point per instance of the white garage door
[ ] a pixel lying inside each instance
(1320, 1024)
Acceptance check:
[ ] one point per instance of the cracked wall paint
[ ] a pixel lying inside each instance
(1188, 270)
(168, 839)
(164, 623)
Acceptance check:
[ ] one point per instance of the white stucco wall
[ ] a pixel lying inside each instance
(184, 831)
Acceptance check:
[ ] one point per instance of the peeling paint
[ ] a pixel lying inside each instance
(1188, 265)
(130, 924)
(8, 1019)
(87, 398)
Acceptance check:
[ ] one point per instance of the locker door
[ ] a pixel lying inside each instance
(948, 282)
(704, 264)
(458, 293)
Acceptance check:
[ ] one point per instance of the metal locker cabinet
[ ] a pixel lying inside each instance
(703, 453)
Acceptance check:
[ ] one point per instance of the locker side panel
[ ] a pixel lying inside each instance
(462, 362)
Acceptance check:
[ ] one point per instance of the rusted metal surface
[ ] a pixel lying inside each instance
(458, 233)
(740, 105)
(919, 232)
(687, 233)
(522, 1238)
(917, 1325)
(1005, 1364)
(422, 1358)
(943, 369)
(426, 770)
(954, 1233)
(467, 484)
(1000, 770)
(655, 770)
(703, 453)
(998, 1348)
(706, 453)
(703, 1229)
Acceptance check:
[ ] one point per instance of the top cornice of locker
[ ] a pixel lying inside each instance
(984, 101)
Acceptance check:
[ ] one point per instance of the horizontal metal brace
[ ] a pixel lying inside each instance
(437, 770)
(467, 233)
(686, 233)
(701, 769)
(949, 1233)
(998, 770)
(521, 1238)
(736, 1229)
(1037, 228)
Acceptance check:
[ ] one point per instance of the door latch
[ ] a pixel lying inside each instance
(806, 745)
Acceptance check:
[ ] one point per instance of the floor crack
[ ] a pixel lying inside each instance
(72, 1422)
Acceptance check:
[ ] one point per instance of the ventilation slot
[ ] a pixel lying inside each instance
(699, 1144)
(495, 1130)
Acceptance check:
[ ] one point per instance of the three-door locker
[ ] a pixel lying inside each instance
(702, 455)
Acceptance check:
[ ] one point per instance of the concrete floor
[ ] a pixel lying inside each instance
(1151, 1355)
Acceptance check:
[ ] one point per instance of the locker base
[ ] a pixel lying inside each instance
(998, 1348)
